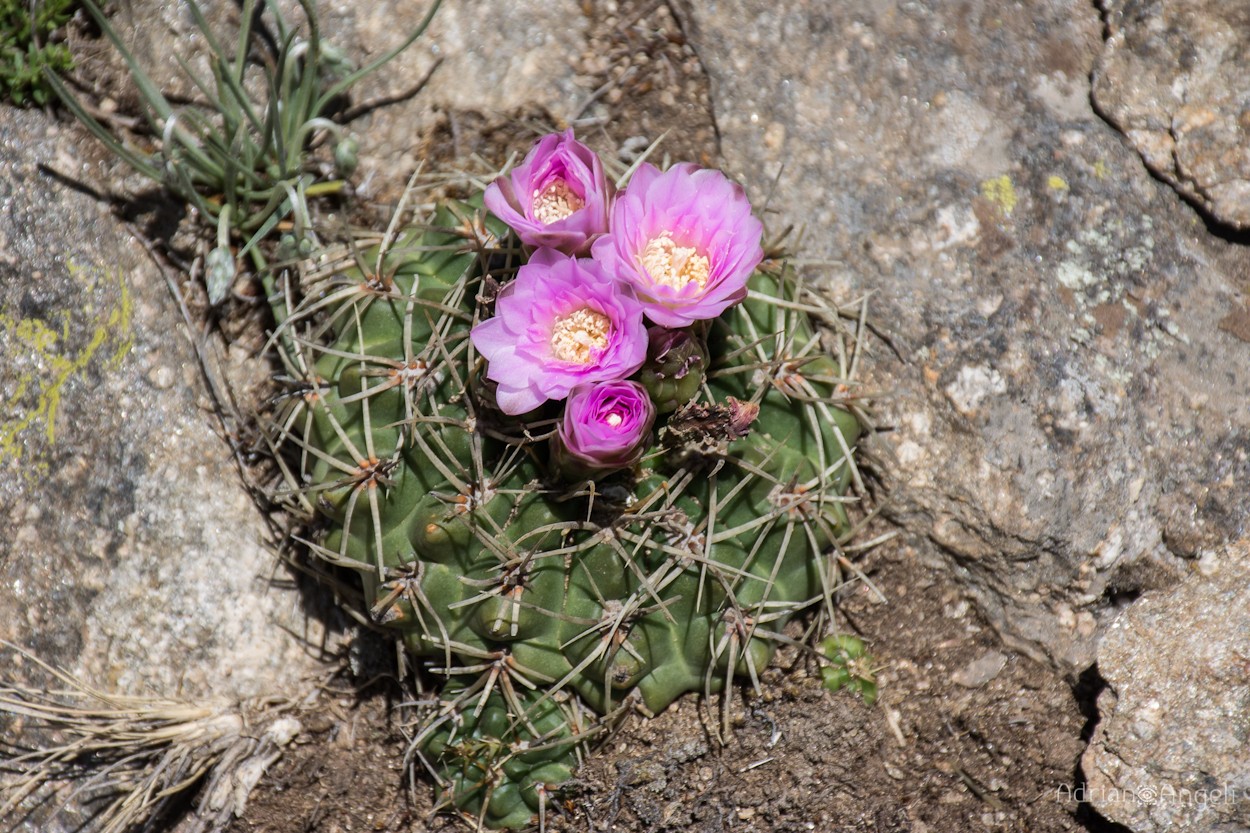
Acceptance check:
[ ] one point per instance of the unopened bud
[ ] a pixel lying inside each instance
(219, 272)
(346, 156)
(676, 363)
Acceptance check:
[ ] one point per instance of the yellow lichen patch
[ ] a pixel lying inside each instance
(1056, 183)
(1001, 192)
(34, 399)
(1101, 170)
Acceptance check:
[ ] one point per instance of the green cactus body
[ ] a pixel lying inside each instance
(538, 599)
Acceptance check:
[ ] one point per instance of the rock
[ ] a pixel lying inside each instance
(981, 670)
(1170, 752)
(134, 558)
(1171, 78)
(496, 59)
(1068, 420)
(495, 56)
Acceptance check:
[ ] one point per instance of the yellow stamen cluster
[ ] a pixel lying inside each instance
(674, 266)
(555, 202)
(579, 336)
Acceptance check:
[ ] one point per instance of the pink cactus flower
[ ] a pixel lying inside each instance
(558, 197)
(685, 239)
(562, 322)
(606, 427)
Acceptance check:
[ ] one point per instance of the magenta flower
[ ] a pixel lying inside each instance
(557, 197)
(685, 239)
(563, 322)
(606, 427)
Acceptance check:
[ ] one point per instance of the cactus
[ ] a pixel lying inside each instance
(849, 666)
(545, 603)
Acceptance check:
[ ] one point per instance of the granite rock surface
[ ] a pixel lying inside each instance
(1171, 78)
(1065, 350)
(1170, 752)
(133, 558)
(1067, 419)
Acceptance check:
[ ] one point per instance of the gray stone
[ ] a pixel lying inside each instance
(133, 557)
(1068, 420)
(496, 59)
(1172, 748)
(981, 670)
(1172, 78)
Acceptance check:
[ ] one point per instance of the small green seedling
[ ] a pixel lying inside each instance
(850, 666)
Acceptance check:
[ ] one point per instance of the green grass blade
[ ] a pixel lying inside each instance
(230, 74)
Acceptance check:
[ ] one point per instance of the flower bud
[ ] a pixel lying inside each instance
(606, 427)
(292, 248)
(673, 373)
(335, 63)
(219, 272)
(346, 156)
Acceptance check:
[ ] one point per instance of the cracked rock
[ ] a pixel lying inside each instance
(1172, 78)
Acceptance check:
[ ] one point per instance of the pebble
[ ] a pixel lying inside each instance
(162, 377)
(981, 670)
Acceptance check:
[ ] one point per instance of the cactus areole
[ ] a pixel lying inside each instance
(553, 567)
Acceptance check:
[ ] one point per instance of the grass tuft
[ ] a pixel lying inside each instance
(132, 758)
(242, 154)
